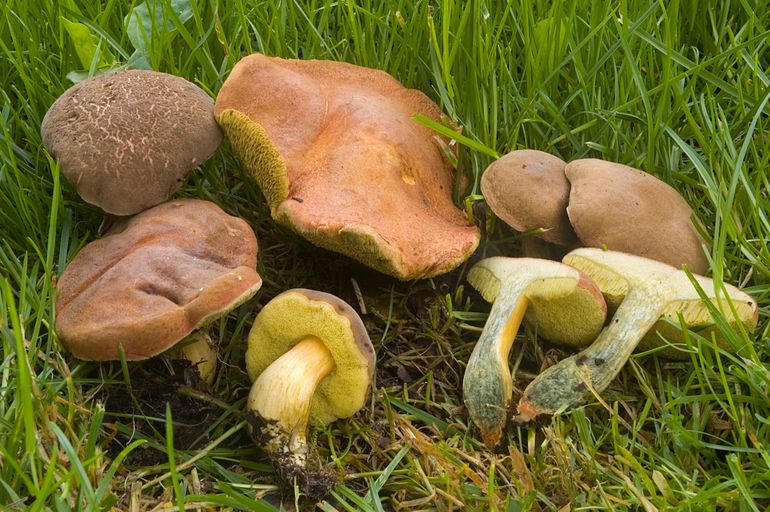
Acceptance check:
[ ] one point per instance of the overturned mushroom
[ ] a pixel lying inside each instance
(311, 360)
(153, 279)
(340, 160)
(128, 140)
(562, 303)
(651, 290)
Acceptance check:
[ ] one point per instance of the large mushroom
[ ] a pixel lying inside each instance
(560, 302)
(128, 140)
(340, 160)
(311, 360)
(651, 291)
(153, 279)
(623, 209)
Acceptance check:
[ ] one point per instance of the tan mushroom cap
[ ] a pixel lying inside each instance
(340, 160)
(299, 313)
(128, 140)
(527, 189)
(624, 209)
(153, 279)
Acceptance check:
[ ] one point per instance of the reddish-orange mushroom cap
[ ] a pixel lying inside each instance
(153, 279)
(340, 160)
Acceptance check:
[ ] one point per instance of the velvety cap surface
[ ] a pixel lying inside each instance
(527, 189)
(128, 140)
(627, 210)
(153, 279)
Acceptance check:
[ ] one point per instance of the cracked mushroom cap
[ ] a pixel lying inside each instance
(300, 313)
(340, 160)
(527, 189)
(627, 210)
(128, 140)
(153, 279)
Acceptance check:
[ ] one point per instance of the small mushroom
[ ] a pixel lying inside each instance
(153, 279)
(562, 303)
(311, 359)
(623, 209)
(527, 189)
(127, 140)
(651, 291)
(340, 161)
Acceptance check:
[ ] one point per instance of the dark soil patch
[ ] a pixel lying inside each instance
(141, 411)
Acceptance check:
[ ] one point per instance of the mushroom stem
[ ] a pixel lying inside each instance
(282, 394)
(567, 383)
(487, 384)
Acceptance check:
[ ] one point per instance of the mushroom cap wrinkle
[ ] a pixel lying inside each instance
(623, 209)
(128, 140)
(153, 279)
(340, 160)
(527, 189)
(299, 313)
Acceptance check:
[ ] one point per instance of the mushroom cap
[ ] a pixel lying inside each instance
(299, 313)
(128, 140)
(615, 272)
(527, 189)
(624, 209)
(340, 160)
(565, 305)
(153, 279)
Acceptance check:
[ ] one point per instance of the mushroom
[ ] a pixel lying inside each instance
(527, 189)
(311, 359)
(153, 279)
(620, 208)
(341, 162)
(562, 303)
(128, 140)
(651, 291)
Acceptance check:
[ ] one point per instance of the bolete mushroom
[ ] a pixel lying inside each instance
(153, 279)
(527, 190)
(623, 209)
(340, 161)
(128, 140)
(562, 303)
(651, 291)
(311, 359)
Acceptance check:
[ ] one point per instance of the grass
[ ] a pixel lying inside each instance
(677, 88)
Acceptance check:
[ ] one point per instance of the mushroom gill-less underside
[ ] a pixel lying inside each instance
(340, 160)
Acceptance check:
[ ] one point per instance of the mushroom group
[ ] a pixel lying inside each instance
(341, 161)
(594, 203)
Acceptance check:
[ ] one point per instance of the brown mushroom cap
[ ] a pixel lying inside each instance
(527, 189)
(153, 279)
(128, 140)
(340, 160)
(627, 210)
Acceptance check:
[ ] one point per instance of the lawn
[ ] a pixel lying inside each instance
(679, 89)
